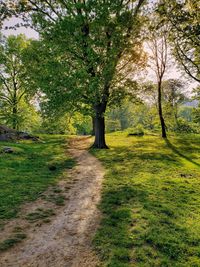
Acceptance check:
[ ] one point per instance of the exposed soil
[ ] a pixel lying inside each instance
(65, 240)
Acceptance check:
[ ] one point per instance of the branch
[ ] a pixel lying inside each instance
(41, 10)
(185, 67)
(6, 98)
(140, 3)
(5, 83)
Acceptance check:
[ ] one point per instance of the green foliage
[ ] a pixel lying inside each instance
(184, 126)
(130, 115)
(25, 174)
(28, 119)
(196, 115)
(186, 113)
(57, 125)
(74, 123)
(83, 47)
(183, 18)
(112, 125)
(82, 124)
(150, 201)
(16, 109)
(138, 130)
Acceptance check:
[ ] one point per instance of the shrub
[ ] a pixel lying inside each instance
(186, 127)
(137, 131)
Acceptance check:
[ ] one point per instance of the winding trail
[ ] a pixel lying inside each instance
(66, 240)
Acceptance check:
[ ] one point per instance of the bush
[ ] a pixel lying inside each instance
(136, 131)
(186, 127)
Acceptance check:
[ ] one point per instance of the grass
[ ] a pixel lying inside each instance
(57, 198)
(10, 242)
(150, 202)
(40, 214)
(25, 174)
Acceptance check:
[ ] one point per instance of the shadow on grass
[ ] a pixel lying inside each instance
(176, 151)
(151, 228)
(150, 210)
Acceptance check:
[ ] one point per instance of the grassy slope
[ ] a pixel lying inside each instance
(24, 175)
(150, 202)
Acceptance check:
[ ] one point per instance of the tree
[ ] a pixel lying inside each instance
(196, 110)
(86, 44)
(68, 123)
(184, 19)
(173, 94)
(158, 59)
(13, 80)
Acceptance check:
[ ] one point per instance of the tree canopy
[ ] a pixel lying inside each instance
(14, 82)
(84, 48)
(184, 20)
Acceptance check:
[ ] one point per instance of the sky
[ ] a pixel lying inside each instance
(30, 33)
(173, 73)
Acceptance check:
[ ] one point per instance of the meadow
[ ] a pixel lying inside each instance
(150, 201)
(150, 198)
(29, 171)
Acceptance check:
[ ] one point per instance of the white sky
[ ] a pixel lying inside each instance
(30, 33)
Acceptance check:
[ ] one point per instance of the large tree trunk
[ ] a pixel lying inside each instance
(99, 120)
(162, 121)
(93, 126)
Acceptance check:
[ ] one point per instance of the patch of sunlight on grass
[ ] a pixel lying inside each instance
(150, 201)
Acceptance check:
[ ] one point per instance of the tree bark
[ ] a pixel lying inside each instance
(99, 120)
(93, 126)
(176, 115)
(15, 102)
(14, 120)
(162, 121)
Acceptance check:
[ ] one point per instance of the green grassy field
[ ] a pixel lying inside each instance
(25, 174)
(150, 202)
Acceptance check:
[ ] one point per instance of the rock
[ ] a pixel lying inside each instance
(4, 130)
(8, 150)
(27, 136)
(3, 137)
(8, 134)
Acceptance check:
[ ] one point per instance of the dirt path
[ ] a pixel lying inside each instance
(66, 240)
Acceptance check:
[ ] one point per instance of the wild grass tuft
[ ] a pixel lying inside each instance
(40, 214)
(10, 242)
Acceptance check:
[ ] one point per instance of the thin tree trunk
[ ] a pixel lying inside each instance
(162, 121)
(176, 114)
(14, 108)
(14, 120)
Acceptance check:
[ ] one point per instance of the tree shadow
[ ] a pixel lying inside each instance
(132, 219)
(176, 151)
